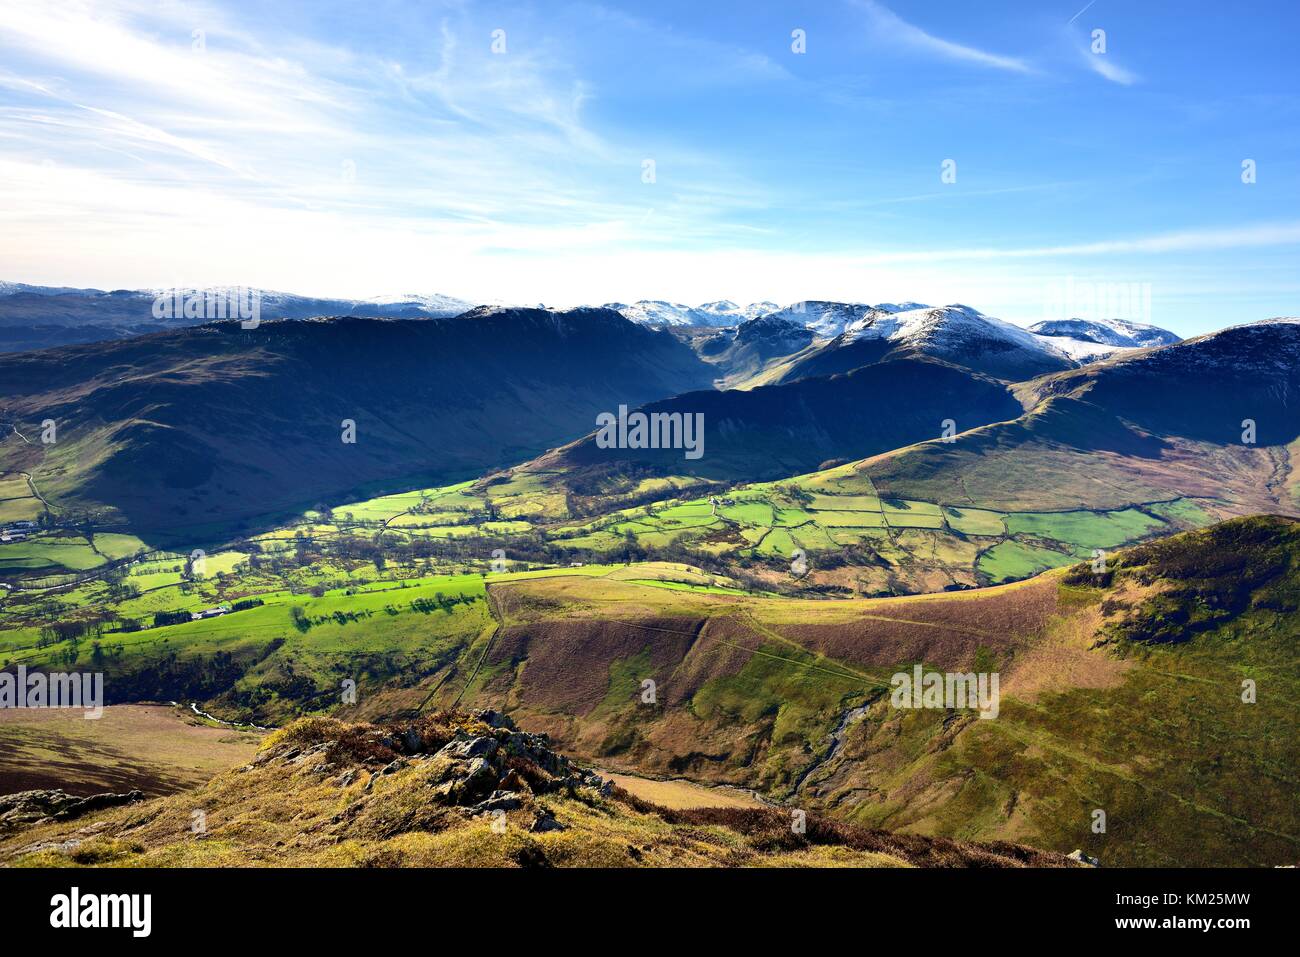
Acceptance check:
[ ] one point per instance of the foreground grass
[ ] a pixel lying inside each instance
(315, 798)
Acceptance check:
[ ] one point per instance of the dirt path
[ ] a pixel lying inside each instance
(31, 484)
(681, 794)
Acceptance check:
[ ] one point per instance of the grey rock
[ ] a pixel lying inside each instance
(467, 748)
(29, 807)
(499, 801)
(546, 823)
(480, 781)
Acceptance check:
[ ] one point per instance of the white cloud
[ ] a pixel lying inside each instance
(1192, 240)
(1110, 69)
(1103, 65)
(894, 29)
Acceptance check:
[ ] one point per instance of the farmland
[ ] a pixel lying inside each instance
(351, 574)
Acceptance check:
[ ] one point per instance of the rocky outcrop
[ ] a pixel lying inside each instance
(478, 763)
(38, 807)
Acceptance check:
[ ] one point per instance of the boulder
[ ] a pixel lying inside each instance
(545, 822)
(468, 748)
(32, 807)
(493, 719)
(499, 801)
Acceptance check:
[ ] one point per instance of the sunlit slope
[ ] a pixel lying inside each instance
(1121, 692)
(323, 793)
(1208, 417)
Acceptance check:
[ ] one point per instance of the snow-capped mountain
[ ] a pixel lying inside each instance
(274, 304)
(1092, 339)
(826, 319)
(900, 306)
(658, 312)
(726, 309)
(17, 288)
(35, 317)
(965, 336)
(1107, 332)
(434, 305)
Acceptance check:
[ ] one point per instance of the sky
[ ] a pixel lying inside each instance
(1035, 160)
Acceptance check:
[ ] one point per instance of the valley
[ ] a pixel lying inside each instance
(834, 533)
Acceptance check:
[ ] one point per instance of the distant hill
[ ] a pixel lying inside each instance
(216, 423)
(782, 430)
(38, 317)
(1144, 425)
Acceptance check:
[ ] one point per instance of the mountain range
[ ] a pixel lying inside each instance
(34, 317)
(423, 506)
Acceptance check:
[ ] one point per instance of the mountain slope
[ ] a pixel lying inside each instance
(783, 430)
(744, 351)
(453, 790)
(826, 319)
(217, 423)
(1120, 691)
(957, 334)
(1153, 424)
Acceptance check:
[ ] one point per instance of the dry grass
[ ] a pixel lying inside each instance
(292, 809)
(155, 748)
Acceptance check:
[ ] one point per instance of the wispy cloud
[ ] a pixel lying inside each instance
(1182, 241)
(894, 29)
(119, 118)
(1104, 66)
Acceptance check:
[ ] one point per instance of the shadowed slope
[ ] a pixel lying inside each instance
(217, 424)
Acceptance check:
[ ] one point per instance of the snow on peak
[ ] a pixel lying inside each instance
(825, 318)
(1106, 332)
(657, 312)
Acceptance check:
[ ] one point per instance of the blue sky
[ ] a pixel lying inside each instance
(379, 148)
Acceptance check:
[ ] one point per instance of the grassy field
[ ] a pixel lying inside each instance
(679, 795)
(850, 539)
(155, 748)
(1011, 560)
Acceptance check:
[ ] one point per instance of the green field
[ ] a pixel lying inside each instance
(1086, 529)
(1011, 560)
